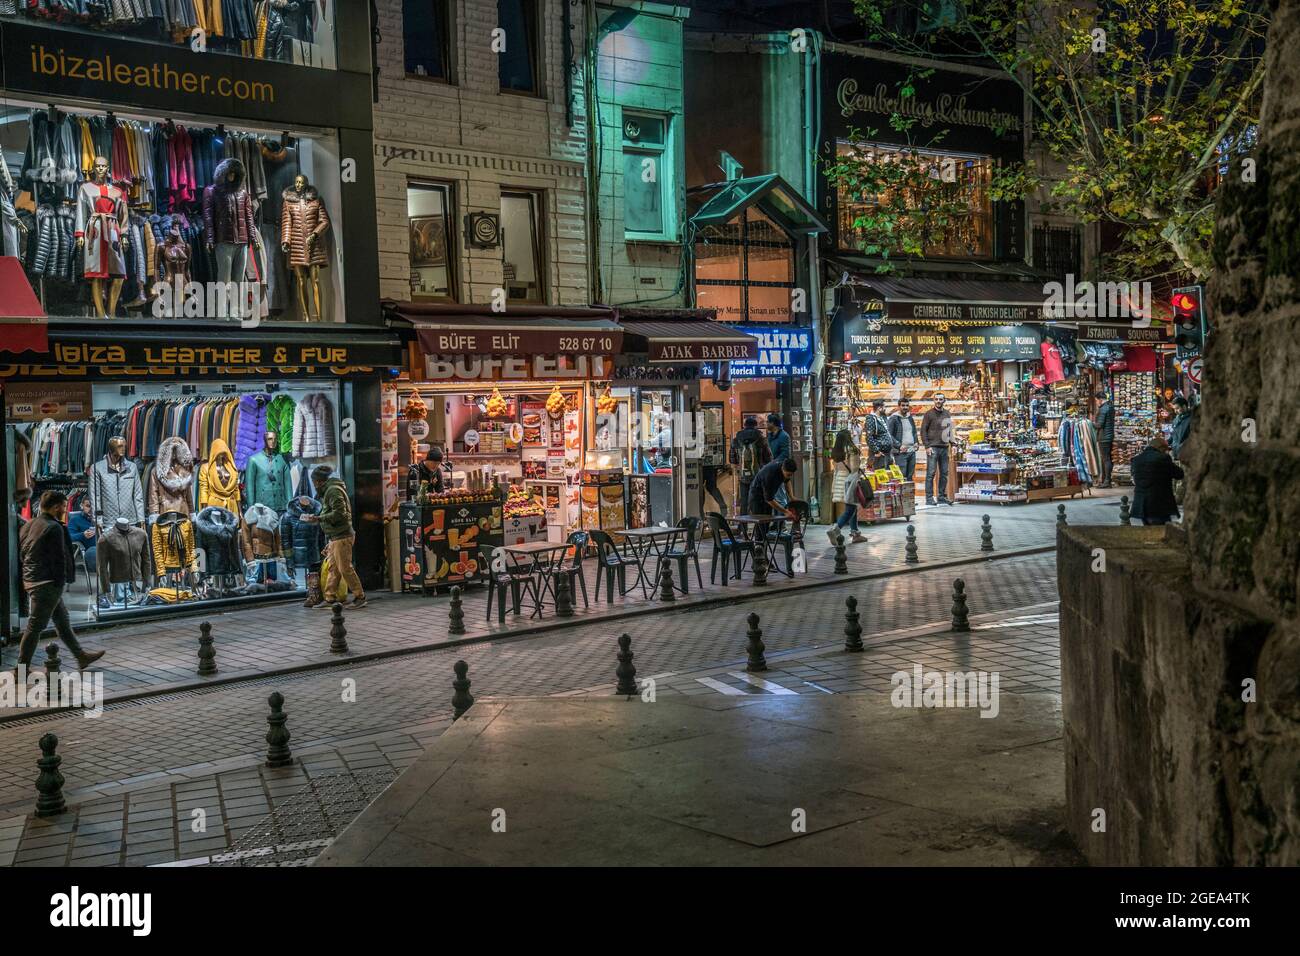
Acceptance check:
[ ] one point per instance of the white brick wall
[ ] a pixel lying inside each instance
(480, 140)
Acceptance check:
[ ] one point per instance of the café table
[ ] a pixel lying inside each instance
(750, 525)
(545, 558)
(642, 542)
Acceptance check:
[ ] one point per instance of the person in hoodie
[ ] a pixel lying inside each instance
(219, 479)
(749, 453)
(335, 521)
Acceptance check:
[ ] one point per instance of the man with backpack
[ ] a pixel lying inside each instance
(749, 453)
(879, 440)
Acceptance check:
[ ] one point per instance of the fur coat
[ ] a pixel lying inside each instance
(171, 485)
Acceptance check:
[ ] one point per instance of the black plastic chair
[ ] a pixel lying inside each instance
(690, 552)
(610, 562)
(517, 579)
(791, 536)
(574, 571)
(726, 545)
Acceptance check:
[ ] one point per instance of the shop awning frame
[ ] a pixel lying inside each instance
(773, 195)
(23, 323)
(452, 329)
(669, 342)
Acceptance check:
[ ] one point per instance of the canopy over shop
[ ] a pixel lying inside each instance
(205, 422)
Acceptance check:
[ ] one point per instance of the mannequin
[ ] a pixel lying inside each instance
(171, 485)
(115, 487)
(173, 267)
(123, 559)
(303, 225)
(266, 476)
(101, 219)
(228, 225)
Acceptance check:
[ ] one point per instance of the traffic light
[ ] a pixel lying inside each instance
(1189, 320)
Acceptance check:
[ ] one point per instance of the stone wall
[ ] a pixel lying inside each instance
(1156, 731)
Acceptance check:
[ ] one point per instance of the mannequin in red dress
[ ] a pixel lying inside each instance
(101, 218)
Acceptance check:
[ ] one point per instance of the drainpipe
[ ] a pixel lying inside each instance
(812, 135)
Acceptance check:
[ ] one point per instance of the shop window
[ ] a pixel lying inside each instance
(289, 31)
(745, 270)
(150, 194)
(521, 247)
(428, 210)
(426, 27)
(947, 177)
(648, 177)
(518, 66)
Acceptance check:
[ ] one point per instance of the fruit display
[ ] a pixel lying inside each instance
(496, 405)
(606, 403)
(520, 504)
(461, 496)
(556, 403)
(416, 409)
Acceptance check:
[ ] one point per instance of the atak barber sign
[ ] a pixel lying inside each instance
(782, 351)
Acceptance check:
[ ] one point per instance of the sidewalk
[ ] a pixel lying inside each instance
(252, 810)
(161, 656)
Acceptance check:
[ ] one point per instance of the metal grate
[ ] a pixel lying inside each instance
(297, 830)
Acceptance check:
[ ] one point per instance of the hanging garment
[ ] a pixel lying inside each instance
(252, 428)
(279, 422)
(313, 427)
(216, 531)
(171, 485)
(303, 541)
(219, 479)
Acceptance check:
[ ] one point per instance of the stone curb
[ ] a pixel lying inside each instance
(747, 592)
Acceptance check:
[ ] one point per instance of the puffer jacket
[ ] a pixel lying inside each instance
(173, 543)
(303, 540)
(313, 427)
(116, 493)
(252, 426)
(227, 207)
(213, 491)
(303, 225)
(216, 531)
(335, 510)
(279, 419)
(260, 535)
(171, 486)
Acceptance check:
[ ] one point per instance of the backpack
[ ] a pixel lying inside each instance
(749, 460)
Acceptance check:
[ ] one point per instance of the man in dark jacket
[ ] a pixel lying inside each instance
(905, 436)
(1153, 483)
(335, 520)
(879, 440)
(1182, 426)
(45, 553)
(749, 453)
(936, 436)
(1105, 436)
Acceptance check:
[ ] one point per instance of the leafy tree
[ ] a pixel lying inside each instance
(1140, 102)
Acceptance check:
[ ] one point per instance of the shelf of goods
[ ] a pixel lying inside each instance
(440, 541)
(1134, 398)
(893, 498)
(1014, 474)
(523, 518)
(602, 502)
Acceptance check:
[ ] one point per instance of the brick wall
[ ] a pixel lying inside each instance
(480, 140)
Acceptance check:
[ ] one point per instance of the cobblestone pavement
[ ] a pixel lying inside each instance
(162, 654)
(136, 774)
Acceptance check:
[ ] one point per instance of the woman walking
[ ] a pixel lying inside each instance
(847, 461)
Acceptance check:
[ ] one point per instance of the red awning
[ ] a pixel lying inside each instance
(22, 320)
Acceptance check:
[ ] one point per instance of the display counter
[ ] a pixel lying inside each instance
(440, 542)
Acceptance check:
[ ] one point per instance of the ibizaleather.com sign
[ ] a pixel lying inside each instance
(945, 109)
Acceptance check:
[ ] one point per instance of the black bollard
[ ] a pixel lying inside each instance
(1125, 512)
(207, 651)
(666, 592)
(52, 662)
(49, 783)
(760, 563)
(338, 633)
(625, 671)
(455, 614)
(986, 535)
(1060, 514)
(841, 558)
(910, 550)
(277, 738)
(852, 626)
(563, 599)
(960, 616)
(461, 699)
(754, 646)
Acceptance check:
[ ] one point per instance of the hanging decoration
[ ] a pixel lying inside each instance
(496, 405)
(555, 402)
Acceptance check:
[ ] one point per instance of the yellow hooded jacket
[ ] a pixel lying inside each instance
(214, 490)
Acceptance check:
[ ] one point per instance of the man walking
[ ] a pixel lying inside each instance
(1153, 483)
(45, 551)
(936, 434)
(902, 429)
(336, 522)
(1105, 424)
